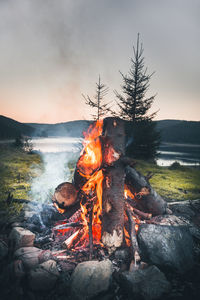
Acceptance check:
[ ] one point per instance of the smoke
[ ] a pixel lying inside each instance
(55, 167)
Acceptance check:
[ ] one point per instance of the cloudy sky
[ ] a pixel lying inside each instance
(52, 51)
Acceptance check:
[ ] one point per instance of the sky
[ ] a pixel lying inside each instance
(52, 52)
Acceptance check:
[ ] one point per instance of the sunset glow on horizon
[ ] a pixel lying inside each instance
(51, 53)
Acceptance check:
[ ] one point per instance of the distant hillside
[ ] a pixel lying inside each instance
(179, 131)
(72, 129)
(174, 131)
(10, 128)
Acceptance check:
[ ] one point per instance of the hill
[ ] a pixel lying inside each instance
(72, 128)
(176, 131)
(10, 128)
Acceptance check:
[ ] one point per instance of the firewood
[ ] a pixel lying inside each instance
(145, 216)
(65, 195)
(68, 225)
(90, 233)
(69, 242)
(147, 199)
(113, 184)
(133, 237)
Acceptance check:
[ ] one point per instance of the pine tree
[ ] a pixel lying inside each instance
(101, 108)
(134, 107)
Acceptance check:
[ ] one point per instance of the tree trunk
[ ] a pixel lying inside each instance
(113, 146)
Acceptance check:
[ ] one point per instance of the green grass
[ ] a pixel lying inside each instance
(181, 183)
(16, 173)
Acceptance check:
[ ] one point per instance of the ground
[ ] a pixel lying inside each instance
(17, 171)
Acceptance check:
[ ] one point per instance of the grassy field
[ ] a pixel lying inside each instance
(17, 172)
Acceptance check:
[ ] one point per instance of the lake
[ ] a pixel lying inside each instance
(185, 154)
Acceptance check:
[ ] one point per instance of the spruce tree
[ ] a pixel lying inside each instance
(97, 102)
(134, 107)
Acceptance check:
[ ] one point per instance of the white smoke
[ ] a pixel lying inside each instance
(54, 169)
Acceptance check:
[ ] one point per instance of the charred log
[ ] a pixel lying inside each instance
(113, 183)
(147, 199)
(132, 231)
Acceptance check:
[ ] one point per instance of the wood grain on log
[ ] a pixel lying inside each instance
(65, 195)
(113, 184)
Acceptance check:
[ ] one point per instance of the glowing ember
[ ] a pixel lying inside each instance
(61, 211)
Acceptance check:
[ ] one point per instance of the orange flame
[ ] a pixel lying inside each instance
(61, 211)
(127, 193)
(91, 156)
(91, 160)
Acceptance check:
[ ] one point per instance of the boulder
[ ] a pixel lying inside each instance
(91, 278)
(3, 250)
(20, 237)
(166, 246)
(44, 276)
(30, 256)
(149, 283)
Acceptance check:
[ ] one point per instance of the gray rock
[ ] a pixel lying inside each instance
(29, 256)
(91, 278)
(21, 237)
(3, 250)
(166, 246)
(149, 283)
(177, 221)
(44, 276)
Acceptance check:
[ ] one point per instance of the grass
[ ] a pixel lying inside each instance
(17, 172)
(181, 183)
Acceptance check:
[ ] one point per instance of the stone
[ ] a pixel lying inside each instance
(3, 250)
(166, 246)
(44, 276)
(18, 268)
(30, 256)
(148, 283)
(20, 237)
(91, 278)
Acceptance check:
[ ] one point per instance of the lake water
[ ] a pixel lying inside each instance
(57, 144)
(185, 154)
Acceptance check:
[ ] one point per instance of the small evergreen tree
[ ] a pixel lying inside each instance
(134, 107)
(97, 103)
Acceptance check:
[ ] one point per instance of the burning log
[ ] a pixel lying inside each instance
(113, 146)
(133, 237)
(138, 212)
(146, 198)
(65, 195)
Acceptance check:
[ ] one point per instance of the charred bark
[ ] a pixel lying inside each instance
(113, 146)
(146, 198)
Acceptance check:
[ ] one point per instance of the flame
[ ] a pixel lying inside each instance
(127, 193)
(89, 166)
(61, 211)
(91, 155)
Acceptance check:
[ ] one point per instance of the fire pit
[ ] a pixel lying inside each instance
(107, 233)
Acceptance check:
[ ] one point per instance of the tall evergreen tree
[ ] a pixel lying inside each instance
(97, 103)
(134, 107)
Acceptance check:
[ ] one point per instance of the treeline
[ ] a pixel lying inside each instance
(175, 131)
